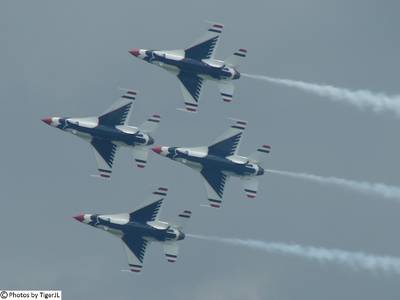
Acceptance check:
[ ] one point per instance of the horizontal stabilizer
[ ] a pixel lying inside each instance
(226, 89)
(171, 251)
(151, 124)
(183, 218)
(250, 187)
(185, 214)
(259, 155)
(236, 58)
(140, 154)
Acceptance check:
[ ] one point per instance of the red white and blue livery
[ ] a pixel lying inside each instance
(141, 227)
(219, 161)
(110, 131)
(196, 64)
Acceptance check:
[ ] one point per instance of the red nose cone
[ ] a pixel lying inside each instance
(156, 150)
(79, 218)
(135, 52)
(47, 121)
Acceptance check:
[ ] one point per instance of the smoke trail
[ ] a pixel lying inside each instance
(356, 260)
(380, 189)
(378, 102)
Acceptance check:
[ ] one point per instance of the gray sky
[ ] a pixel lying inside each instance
(68, 58)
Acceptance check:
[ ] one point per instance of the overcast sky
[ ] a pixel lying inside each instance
(69, 57)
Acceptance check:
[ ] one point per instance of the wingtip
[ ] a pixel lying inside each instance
(100, 177)
(187, 110)
(219, 25)
(238, 120)
(122, 89)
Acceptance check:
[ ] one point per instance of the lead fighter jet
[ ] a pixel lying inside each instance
(137, 229)
(220, 160)
(109, 131)
(195, 64)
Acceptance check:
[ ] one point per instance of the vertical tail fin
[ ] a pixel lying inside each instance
(236, 58)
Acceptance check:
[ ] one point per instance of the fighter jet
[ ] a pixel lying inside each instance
(137, 229)
(196, 64)
(109, 131)
(219, 161)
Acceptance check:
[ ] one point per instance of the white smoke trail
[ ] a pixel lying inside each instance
(356, 260)
(380, 189)
(378, 102)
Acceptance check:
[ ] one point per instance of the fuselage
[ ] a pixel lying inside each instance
(176, 61)
(232, 165)
(89, 128)
(120, 225)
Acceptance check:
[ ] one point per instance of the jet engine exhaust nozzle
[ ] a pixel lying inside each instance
(150, 141)
(181, 236)
(236, 75)
(261, 171)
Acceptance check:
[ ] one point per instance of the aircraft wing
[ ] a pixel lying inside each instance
(204, 48)
(215, 184)
(151, 207)
(120, 111)
(135, 248)
(228, 143)
(105, 153)
(191, 87)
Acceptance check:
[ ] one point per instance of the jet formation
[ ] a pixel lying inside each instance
(110, 131)
(195, 64)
